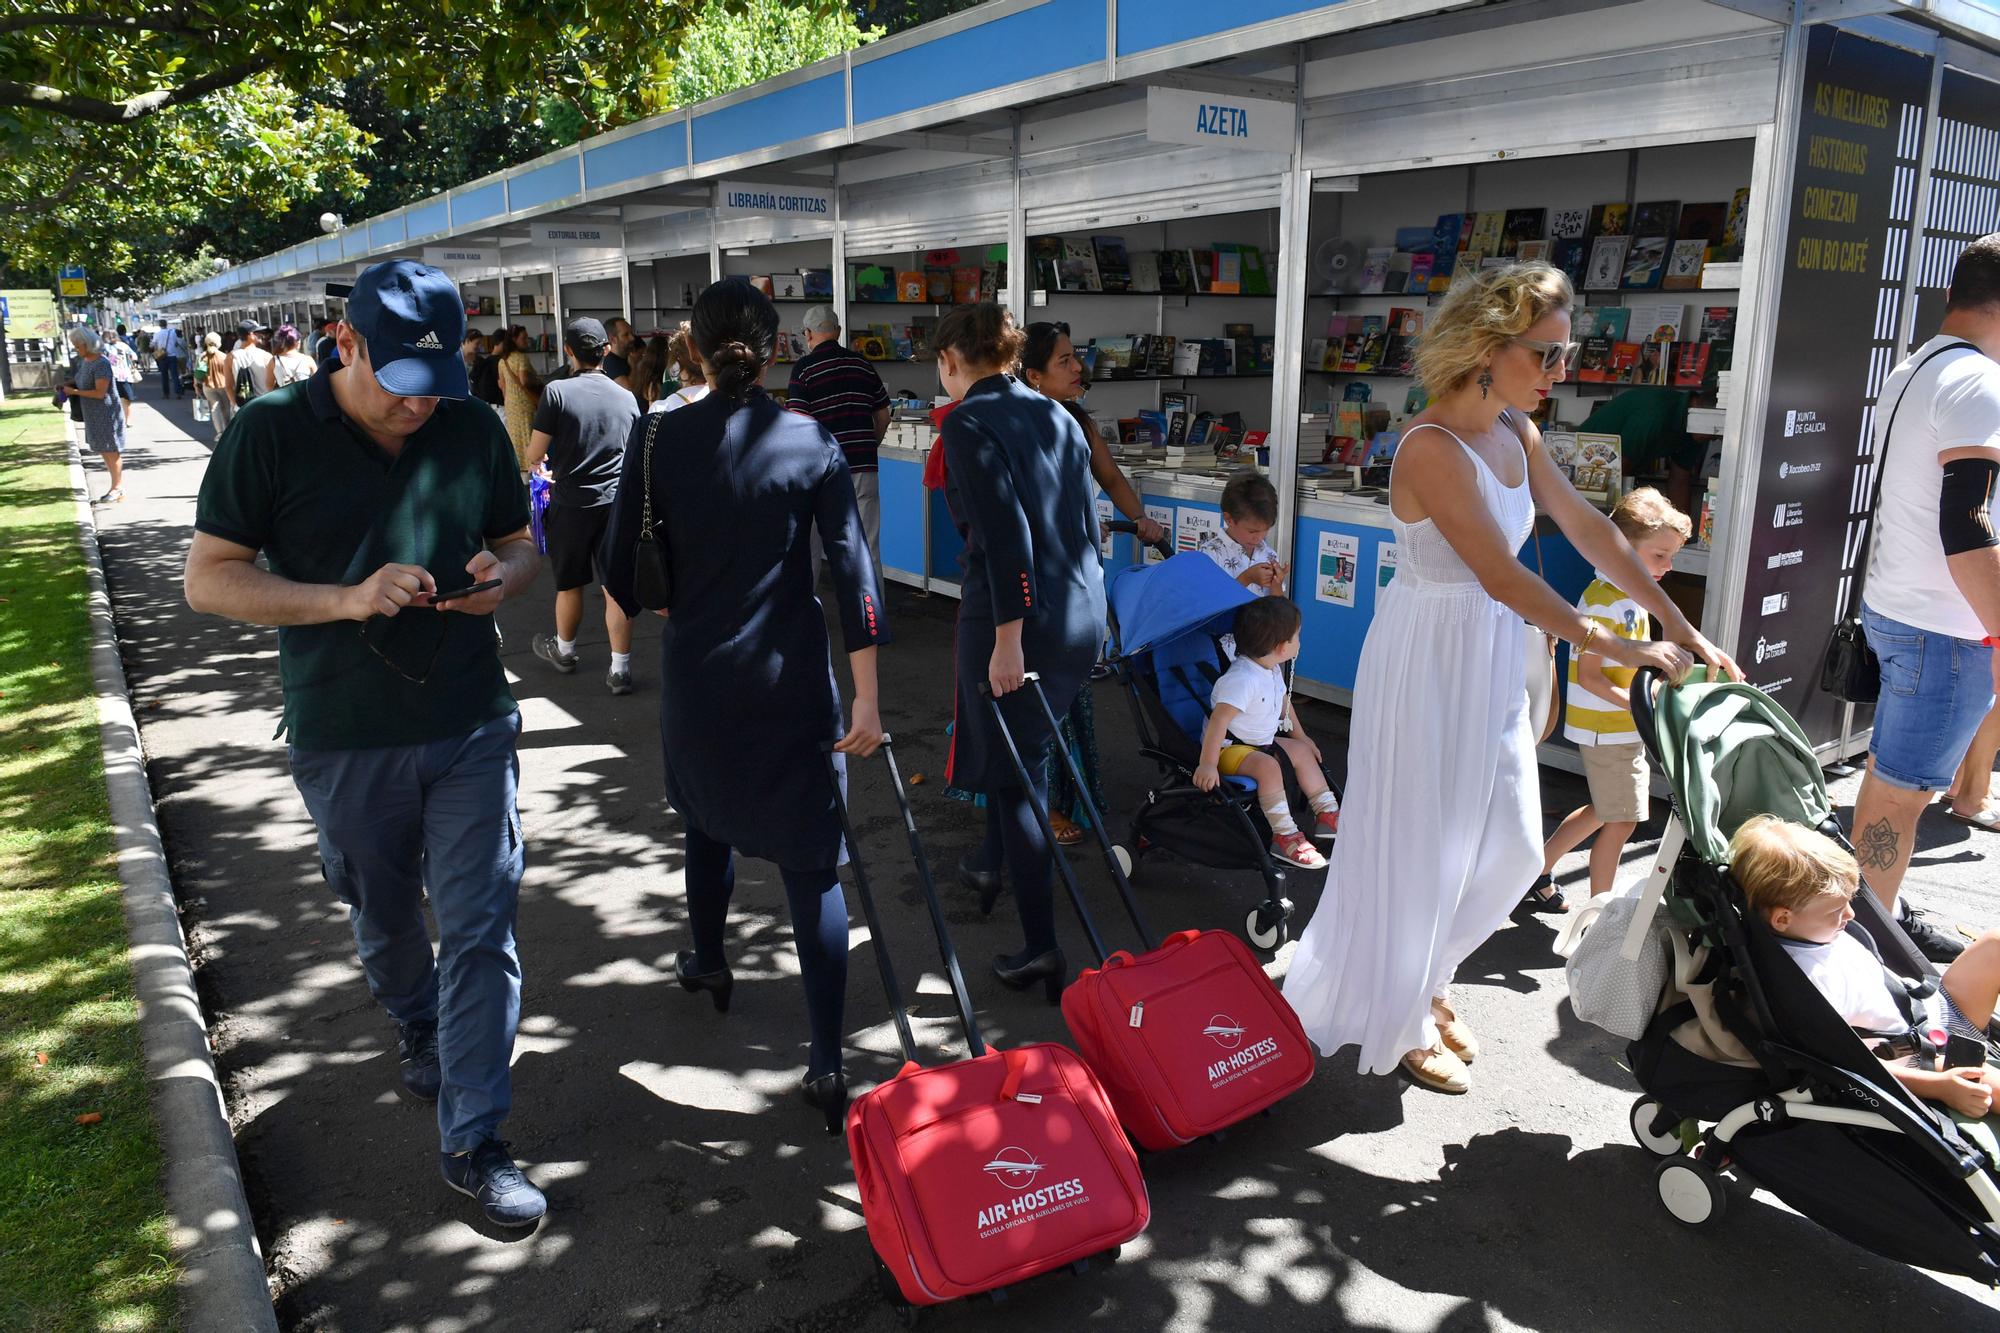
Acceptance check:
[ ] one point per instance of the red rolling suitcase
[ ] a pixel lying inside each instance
(989, 1170)
(1189, 1037)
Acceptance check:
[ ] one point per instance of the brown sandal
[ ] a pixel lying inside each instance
(1437, 1069)
(1455, 1035)
(1068, 832)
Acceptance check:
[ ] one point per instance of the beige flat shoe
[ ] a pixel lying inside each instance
(1456, 1036)
(1438, 1069)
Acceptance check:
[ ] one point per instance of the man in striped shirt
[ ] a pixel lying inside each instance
(837, 387)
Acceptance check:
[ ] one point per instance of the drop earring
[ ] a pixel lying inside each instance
(1485, 381)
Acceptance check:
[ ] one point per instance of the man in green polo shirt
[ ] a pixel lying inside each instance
(382, 496)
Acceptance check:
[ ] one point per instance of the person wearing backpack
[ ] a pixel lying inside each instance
(249, 363)
(125, 370)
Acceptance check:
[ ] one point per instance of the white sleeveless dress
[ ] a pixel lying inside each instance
(1440, 826)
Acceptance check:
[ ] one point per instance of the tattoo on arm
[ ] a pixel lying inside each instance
(1879, 847)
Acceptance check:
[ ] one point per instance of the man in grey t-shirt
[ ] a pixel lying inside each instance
(580, 429)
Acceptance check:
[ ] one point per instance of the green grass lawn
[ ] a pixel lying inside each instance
(83, 1229)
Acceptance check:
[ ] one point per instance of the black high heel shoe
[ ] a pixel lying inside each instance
(717, 983)
(827, 1094)
(1050, 969)
(985, 883)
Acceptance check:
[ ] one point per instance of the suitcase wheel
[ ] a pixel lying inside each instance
(906, 1313)
(1105, 1257)
(1266, 929)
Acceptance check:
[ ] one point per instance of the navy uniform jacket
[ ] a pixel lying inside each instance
(747, 692)
(1017, 478)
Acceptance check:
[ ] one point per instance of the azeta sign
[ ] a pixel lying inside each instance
(1181, 115)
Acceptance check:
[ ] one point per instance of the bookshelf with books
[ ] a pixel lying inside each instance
(1158, 310)
(783, 271)
(895, 300)
(529, 302)
(1378, 274)
(1375, 282)
(664, 289)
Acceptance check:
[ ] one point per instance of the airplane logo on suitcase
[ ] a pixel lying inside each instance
(1228, 1033)
(1016, 1168)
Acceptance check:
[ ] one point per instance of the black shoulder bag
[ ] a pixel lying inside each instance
(1852, 673)
(652, 563)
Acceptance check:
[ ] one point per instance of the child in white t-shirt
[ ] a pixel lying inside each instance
(1803, 884)
(1242, 548)
(1249, 707)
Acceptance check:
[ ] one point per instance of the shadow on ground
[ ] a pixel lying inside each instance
(688, 1190)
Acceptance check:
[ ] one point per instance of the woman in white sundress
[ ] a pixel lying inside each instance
(1442, 822)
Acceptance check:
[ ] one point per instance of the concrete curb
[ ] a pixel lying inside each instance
(222, 1285)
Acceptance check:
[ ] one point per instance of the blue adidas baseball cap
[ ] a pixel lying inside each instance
(414, 320)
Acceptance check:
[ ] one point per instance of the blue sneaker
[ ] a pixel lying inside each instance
(488, 1175)
(417, 1055)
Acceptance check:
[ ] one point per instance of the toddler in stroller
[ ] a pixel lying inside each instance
(1167, 623)
(1930, 1035)
(1249, 708)
(1745, 1065)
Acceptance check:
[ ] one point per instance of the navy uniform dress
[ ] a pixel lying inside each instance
(748, 694)
(1017, 479)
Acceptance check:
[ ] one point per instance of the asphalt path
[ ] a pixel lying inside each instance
(689, 1191)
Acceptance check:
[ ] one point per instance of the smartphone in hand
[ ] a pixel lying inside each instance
(439, 598)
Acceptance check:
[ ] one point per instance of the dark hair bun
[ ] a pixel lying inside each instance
(735, 366)
(982, 335)
(735, 328)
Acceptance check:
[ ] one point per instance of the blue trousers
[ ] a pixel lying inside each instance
(819, 930)
(394, 822)
(170, 376)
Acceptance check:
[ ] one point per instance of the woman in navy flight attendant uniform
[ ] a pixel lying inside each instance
(747, 694)
(1017, 473)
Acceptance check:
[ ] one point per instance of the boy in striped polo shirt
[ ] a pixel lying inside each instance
(1598, 713)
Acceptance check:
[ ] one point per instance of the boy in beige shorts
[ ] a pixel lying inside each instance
(1598, 712)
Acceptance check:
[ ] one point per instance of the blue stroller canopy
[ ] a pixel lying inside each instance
(1153, 605)
(1165, 620)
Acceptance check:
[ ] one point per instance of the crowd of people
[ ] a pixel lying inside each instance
(712, 504)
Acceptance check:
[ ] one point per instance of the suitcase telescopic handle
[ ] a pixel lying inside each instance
(1090, 810)
(975, 1045)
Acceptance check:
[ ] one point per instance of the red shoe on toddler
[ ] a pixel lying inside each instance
(1297, 849)
(1326, 824)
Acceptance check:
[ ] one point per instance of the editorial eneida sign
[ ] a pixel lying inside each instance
(1846, 251)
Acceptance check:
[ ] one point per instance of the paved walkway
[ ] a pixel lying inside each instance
(689, 1191)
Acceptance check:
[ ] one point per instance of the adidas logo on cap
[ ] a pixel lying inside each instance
(429, 342)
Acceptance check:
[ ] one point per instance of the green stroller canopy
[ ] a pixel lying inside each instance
(1730, 751)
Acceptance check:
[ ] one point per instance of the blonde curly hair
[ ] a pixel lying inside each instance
(1480, 314)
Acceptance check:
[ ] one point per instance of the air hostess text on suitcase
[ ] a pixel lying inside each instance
(992, 1169)
(1189, 1037)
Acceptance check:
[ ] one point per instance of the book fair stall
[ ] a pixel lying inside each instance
(1245, 216)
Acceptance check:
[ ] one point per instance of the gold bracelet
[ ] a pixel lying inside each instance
(1588, 635)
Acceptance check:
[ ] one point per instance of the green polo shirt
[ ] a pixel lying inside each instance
(325, 504)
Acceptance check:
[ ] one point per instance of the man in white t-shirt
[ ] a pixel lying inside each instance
(248, 361)
(1932, 605)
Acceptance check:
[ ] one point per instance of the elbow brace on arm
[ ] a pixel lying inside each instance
(1965, 513)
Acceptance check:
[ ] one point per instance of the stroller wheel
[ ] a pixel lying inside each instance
(1645, 1114)
(1266, 929)
(1690, 1192)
